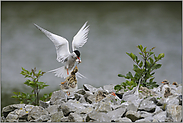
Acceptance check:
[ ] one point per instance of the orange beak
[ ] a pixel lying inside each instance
(113, 94)
(79, 59)
(162, 82)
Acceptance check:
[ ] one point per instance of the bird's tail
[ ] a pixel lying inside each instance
(62, 73)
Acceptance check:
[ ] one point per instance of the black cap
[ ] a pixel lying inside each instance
(77, 53)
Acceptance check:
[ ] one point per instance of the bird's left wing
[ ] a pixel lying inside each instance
(61, 44)
(81, 37)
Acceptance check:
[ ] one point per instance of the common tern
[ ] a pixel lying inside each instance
(63, 53)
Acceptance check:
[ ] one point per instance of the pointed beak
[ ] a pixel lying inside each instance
(78, 60)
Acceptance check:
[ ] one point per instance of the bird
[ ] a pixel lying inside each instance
(70, 84)
(62, 49)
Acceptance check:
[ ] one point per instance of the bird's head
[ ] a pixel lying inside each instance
(78, 56)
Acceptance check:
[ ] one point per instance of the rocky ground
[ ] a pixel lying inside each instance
(91, 104)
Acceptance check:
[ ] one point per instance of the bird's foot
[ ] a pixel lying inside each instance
(63, 82)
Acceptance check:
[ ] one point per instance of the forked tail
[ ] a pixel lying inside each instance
(62, 73)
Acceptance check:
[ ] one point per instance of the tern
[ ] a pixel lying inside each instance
(63, 53)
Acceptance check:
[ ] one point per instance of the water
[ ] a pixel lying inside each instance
(115, 28)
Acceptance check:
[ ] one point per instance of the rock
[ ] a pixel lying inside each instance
(118, 113)
(80, 98)
(180, 99)
(132, 115)
(80, 91)
(52, 109)
(161, 117)
(109, 88)
(74, 117)
(175, 112)
(124, 119)
(64, 119)
(88, 87)
(103, 107)
(22, 113)
(28, 107)
(12, 117)
(98, 116)
(59, 96)
(172, 100)
(43, 118)
(6, 110)
(148, 104)
(145, 114)
(36, 113)
(87, 110)
(44, 104)
(57, 116)
(131, 106)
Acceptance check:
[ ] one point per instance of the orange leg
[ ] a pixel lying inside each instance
(68, 93)
(63, 82)
(67, 72)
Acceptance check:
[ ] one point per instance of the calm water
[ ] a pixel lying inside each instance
(115, 28)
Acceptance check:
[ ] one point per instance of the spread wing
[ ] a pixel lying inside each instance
(81, 37)
(61, 44)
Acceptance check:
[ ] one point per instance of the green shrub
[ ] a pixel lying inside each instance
(33, 82)
(144, 69)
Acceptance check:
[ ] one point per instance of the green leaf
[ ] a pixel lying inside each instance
(156, 66)
(141, 63)
(144, 50)
(120, 75)
(129, 74)
(140, 47)
(117, 87)
(151, 60)
(161, 55)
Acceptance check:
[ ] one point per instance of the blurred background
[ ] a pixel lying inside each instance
(115, 28)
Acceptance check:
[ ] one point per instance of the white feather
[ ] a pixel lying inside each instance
(61, 44)
(81, 37)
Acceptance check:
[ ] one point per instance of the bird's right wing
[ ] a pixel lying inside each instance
(81, 37)
(61, 44)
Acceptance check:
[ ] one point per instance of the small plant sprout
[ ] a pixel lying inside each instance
(36, 86)
(143, 68)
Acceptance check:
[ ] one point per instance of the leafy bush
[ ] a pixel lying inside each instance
(36, 86)
(144, 69)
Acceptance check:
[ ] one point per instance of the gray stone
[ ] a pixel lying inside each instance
(131, 106)
(148, 104)
(145, 114)
(88, 87)
(109, 88)
(56, 117)
(44, 104)
(6, 110)
(103, 107)
(74, 117)
(36, 113)
(12, 117)
(116, 114)
(124, 119)
(72, 106)
(161, 117)
(87, 110)
(28, 107)
(99, 116)
(174, 112)
(22, 113)
(133, 115)
(81, 91)
(58, 95)
(64, 119)
(52, 109)
(43, 118)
